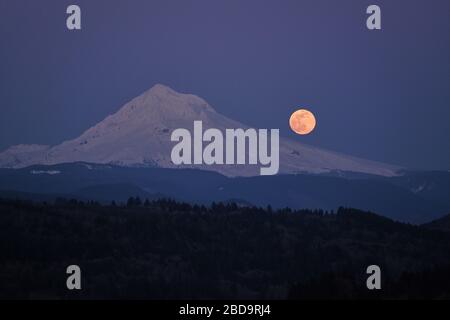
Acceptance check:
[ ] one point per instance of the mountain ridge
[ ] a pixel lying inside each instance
(384, 195)
(138, 134)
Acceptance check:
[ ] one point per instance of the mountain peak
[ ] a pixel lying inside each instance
(170, 100)
(161, 89)
(139, 133)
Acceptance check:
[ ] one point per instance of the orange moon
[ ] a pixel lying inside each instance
(302, 121)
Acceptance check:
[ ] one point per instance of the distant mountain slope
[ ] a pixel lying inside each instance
(118, 192)
(100, 182)
(430, 185)
(139, 135)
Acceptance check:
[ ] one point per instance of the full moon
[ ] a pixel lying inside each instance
(302, 121)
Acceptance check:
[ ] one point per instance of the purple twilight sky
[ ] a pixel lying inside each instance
(383, 95)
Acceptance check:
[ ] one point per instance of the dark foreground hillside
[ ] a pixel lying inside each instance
(164, 250)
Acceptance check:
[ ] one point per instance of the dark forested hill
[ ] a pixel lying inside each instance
(442, 224)
(164, 249)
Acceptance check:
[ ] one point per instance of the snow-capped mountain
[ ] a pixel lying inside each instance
(139, 135)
